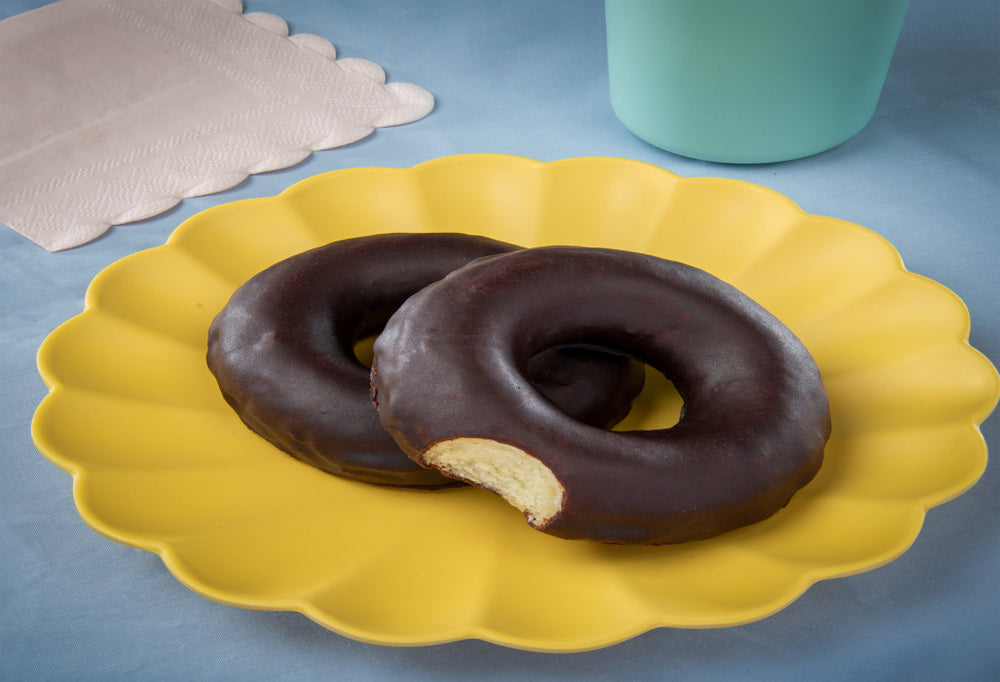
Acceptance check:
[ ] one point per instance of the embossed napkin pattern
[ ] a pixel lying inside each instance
(114, 110)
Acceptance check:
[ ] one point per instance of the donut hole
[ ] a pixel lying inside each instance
(363, 349)
(658, 406)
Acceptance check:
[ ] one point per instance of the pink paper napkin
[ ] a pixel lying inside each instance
(115, 110)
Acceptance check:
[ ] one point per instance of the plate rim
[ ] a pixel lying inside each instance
(166, 552)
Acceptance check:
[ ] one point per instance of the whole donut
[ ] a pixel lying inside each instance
(752, 431)
(283, 352)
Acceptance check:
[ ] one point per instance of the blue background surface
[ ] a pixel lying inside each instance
(529, 78)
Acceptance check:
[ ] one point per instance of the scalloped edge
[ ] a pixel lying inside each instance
(415, 103)
(808, 577)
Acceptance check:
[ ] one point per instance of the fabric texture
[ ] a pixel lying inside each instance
(115, 110)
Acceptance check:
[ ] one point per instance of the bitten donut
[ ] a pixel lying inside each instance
(752, 431)
(283, 353)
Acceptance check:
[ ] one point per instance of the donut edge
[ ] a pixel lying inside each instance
(520, 478)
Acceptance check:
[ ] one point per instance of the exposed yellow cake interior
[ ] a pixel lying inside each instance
(522, 480)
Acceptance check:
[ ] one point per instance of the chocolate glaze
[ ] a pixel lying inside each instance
(282, 351)
(755, 419)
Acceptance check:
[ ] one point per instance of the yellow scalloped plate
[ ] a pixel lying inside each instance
(161, 462)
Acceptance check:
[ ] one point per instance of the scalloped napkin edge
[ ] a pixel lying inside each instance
(116, 110)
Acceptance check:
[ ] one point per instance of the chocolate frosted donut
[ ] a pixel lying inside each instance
(752, 432)
(283, 353)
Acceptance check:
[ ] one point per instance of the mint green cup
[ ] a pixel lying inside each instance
(749, 81)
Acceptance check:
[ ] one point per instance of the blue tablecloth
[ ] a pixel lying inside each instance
(529, 78)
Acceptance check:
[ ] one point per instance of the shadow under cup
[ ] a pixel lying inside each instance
(749, 81)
